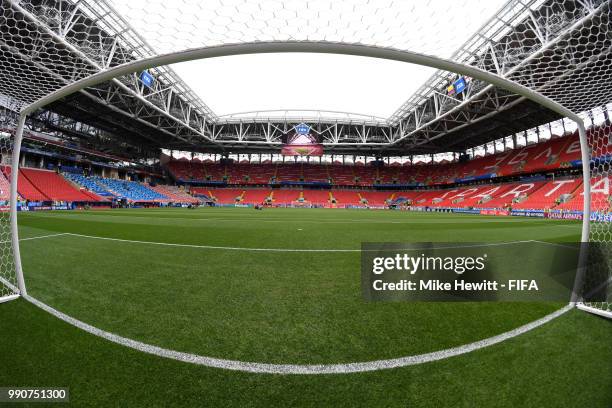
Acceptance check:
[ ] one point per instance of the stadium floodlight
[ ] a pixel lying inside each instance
(555, 53)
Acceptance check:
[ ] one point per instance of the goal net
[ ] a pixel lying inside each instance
(596, 295)
(8, 277)
(556, 54)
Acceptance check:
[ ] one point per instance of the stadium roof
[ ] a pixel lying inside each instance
(317, 81)
(556, 48)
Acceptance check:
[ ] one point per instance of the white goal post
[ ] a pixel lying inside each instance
(531, 71)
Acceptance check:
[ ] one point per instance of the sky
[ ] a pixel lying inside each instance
(306, 81)
(328, 82)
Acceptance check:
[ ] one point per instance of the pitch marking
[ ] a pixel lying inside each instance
(301, 369)
(267, 368)
(228, 248)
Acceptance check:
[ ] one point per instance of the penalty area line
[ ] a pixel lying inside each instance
(289, 369)
(212, 246)
(299, 369)
(229, 248)
(36, 237)
(44, 236)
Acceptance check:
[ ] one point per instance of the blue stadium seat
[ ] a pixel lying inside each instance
(122, 189)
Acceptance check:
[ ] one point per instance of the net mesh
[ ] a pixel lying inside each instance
(559, 48)
(597, 290)
(8, 278)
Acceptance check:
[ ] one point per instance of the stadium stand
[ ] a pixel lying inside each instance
(285, 196)
(550, 195)
(556, 153)
(24, 187)
(174, 194)
(90, 184)
(256, 195)
(5, 188)
(130, 190)
(319, 197)
(376, 198)
(404, 197)
(513, 193)
(600, 196)
(561, 194)
(346, 197)
(45, 185)
(317, 173)
(289, 172)
(222, 196)
(54, 186)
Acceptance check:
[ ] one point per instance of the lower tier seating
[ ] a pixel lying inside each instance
(122, 189)
(5, 188)
(565, 194)
(43, 185)
(174, 194)
(25, 188)
(54, 186)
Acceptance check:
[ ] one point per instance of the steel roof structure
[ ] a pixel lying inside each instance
(519, 42)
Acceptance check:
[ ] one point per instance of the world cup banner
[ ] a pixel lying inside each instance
(302, 143)
(302, 150)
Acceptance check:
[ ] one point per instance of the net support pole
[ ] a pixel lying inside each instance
(586, 213)
(586, 177)
(13, 203)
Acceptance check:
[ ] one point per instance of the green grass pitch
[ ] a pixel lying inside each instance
(208, 296)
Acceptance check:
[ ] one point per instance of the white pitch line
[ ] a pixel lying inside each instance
(302, 369)
(267, 368)
(229, 248)
(36, 237)
(212, 246)
(43, 236)
(576, 246)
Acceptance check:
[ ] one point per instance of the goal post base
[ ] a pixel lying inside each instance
(8, 298)
(594, 310)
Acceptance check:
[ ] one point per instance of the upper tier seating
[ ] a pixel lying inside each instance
(555, 153)
(316, 173)
(289, 172)
(187, 170)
